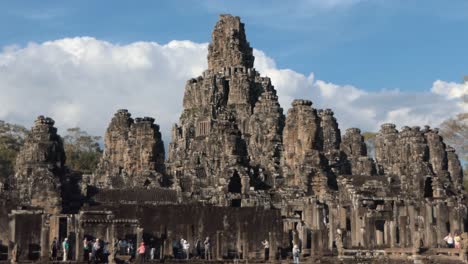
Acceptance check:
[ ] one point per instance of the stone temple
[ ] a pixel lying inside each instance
(240, 170)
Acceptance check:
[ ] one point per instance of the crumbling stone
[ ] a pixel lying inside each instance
(40, 167)
(133, 154)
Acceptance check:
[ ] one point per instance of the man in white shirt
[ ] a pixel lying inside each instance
(266, 245)
(450, 240)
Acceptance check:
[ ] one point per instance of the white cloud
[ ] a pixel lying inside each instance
(83, 81)
(367, 110)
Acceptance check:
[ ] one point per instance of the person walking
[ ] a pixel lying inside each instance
(207, 245)
(266, 245)
(141, 252)
(86, 249)
(54, 248)
(186, 247)
(296, 253)
(96, 251)
(65, 248)
(198, 248)
(449, 240)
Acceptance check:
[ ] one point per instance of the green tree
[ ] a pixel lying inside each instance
(82, 150)
(455, 133)
(11, 139)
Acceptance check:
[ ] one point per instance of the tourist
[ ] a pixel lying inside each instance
(296, 252)
(86, 249)
(186, 247)
(141, 252)
(96, 250)
(207, 244)
(152, 252)
(266, 245)
(65, 248)
(457, 240)
(175, 248)
(198, 248)
(130, 249)
(54, 247)
(449, 240)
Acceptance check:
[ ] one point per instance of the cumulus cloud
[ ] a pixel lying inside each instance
(355, 107)
(83, 81)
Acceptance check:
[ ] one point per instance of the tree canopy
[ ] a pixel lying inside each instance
(11, 139)
(82, 150)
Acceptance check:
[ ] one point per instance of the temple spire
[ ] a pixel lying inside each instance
(229, 46)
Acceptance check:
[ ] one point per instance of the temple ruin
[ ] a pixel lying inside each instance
(239, 170)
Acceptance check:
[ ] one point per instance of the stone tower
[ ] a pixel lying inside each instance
(231, 125)
(133, 155)
(40, 167)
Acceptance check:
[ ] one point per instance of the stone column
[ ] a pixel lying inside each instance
(139, 236)
(44, 240)
(79, 251)
(441, 216)
(272, 241)
(356, 235)
(112, 242)
(245, 181)
(218, 246)
(393, 234)
(245, 245)
(379, 237)
(162, 233)
(12, 242)
(387, 233)
(331, 226)
(168, 244)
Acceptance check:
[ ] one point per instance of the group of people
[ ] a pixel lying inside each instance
(181, 249)
(55, 249)
(453, 241)
(125, 247)
(96, 250)
(296, 252)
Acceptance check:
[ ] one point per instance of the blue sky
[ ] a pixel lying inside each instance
(374, 44)
(371, 61)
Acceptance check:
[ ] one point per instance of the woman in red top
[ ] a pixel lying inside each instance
(141, 252)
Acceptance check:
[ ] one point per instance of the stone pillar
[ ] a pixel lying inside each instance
(44, 240)
(139, 236)
(190, 238)
(139, 239)
(272, 241)
(393, 234)
(112, 241)
(441, 216)
(379, 237)
(218, 246)
(79, 251)
(403, 230)
(12, 242)
(245, 245)
(245, 181)
(356, 235)
(386, 233)
(163, 234)
(412, 219)
(331, 226)
(168, 244)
